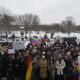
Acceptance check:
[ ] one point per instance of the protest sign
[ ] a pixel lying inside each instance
(11, 51)
(18, 45)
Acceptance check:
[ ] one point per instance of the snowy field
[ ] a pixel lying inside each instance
(66, 35)
(40, 34)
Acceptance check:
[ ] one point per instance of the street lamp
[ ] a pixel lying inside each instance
(22, 33)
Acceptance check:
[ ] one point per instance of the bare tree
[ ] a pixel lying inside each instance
(27, 19)
(68, 24)
(36, 20)
(5, 19)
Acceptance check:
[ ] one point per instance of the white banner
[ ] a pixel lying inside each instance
(11, 51)
(18, 45)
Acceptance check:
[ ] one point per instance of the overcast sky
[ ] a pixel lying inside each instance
(49, 11)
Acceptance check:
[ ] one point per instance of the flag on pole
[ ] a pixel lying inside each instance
(35, 41)
(45, 36)
(29, 73)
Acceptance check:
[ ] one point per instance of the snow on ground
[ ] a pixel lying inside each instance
(75, 35)
(60, 35)
(66, 35)
(40, 34)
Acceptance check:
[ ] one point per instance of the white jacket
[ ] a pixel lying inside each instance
(79, 62)
(60, 67)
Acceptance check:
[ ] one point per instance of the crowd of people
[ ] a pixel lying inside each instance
(57, 61)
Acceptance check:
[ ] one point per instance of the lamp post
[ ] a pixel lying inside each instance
(22, 33)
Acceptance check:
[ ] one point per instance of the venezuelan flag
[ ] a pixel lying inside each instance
(29, 74)
(75, 73)
(45, 36)
(35, 41)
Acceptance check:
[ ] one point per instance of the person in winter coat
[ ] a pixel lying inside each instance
(1, 62)
(10, 67)
(51, 67)
(17, 68)
(60, 65)
(43, 69)
(75, 69)
(5, 66)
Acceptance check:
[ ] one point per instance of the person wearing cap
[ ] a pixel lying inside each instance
(43, 68)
